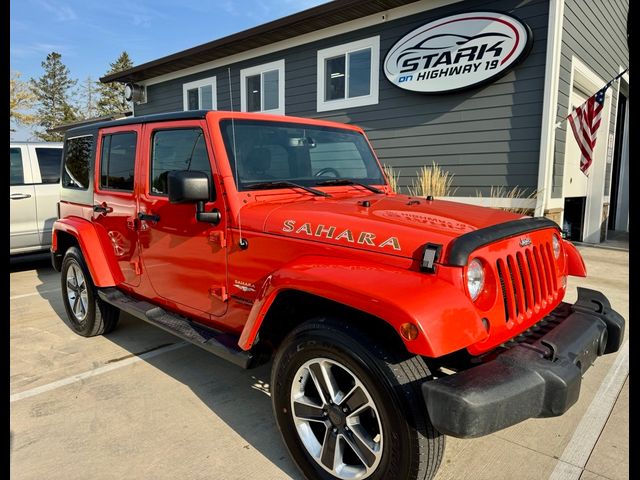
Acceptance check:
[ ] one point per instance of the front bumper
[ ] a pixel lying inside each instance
(537, 379)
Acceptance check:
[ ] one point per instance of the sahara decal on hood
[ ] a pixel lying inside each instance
(457, 52)
(344, 235)
(430, 220)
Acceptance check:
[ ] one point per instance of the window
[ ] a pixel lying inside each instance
(17, 171)
(49, 162)
(200, 95)
(348, 75)
(183, 149)
(117, 161)
(308, 155)
(262, 88)
(76, 162)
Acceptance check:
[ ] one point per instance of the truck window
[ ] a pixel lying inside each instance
(305, 154)
(342, 156)
(17, 171)
(49, 163)
(76, 162)
(179, 149)
(117, 161)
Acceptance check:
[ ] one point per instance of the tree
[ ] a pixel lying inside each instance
(52, 94)
(112, 94)
(21, 98)
(88, 98)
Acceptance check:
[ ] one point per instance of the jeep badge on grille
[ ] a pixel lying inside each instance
(525, 241)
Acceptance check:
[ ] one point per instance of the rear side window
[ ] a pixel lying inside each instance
(49, 163)
(17, 171)
(117, 161)
(183, 149)
(76, 163)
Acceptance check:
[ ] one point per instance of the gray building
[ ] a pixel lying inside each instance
(334, 62)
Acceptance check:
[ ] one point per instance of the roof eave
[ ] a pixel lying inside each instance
(189, 57)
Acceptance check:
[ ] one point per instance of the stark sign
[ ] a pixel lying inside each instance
(457, 52)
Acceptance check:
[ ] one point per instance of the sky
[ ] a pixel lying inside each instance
(91, 34)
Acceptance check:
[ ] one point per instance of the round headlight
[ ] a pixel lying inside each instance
(556, 246)
(475, 278)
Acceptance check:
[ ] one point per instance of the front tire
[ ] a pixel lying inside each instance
(348, 407)
(87, 315)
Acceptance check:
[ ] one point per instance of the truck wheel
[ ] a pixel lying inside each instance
(348, 407)
(87, 314)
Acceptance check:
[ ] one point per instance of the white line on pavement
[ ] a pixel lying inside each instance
(92, 373)
(584, 439)
(34, 293)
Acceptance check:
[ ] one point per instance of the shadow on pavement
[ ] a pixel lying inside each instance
(31, 261)
(238, 397)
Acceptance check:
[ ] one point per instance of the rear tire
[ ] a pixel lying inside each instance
(337, 389)
(87, 315)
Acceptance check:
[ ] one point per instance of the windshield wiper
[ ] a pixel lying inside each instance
(285, 183)
(347, 181)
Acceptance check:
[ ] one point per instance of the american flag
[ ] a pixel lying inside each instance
(585, 121)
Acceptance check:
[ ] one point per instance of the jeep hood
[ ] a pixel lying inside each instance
(394, 224)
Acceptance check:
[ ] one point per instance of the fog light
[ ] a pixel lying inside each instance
(602, 344)
(409, 331)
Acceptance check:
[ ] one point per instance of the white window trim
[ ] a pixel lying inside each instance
(372, 99)
(259, 70)
(197, 84)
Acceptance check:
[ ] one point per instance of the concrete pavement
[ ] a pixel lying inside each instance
(139, 404)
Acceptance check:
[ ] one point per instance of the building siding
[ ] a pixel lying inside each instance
(596, 33)
(486, 136)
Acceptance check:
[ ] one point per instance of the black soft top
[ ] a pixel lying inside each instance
(158, 117)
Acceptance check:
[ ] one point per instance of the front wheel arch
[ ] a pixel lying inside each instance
(293, 307)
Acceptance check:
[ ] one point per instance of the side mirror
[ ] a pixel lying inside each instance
(192, 187)
(186, 186)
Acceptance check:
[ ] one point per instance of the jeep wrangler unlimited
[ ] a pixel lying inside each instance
(392, 320)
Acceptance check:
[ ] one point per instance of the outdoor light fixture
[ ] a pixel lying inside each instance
(135, 93)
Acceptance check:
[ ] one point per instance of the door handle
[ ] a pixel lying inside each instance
(102, 209)
(19, 196)
(148, 217)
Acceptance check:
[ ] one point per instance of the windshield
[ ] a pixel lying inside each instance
(305, 154)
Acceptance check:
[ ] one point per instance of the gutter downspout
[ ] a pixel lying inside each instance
(550, 105)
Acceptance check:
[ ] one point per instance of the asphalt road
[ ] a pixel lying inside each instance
(140, 404)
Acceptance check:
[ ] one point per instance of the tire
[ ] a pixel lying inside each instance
(384, 380)
(87, 315)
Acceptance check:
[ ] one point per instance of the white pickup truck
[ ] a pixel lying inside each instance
(35, 192)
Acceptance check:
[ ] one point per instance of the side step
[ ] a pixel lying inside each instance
(221, 344)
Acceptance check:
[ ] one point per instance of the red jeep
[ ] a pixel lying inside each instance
(392, 320)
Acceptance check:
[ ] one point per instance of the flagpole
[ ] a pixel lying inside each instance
(606, 85)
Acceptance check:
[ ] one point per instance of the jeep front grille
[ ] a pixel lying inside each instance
(527, 281)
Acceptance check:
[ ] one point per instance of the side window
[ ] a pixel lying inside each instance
(17, 171)
(117, 161)
(49, 163)
(183, 149)
(263, 88)
(347, 75)
(76, 162)
(200, 94)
